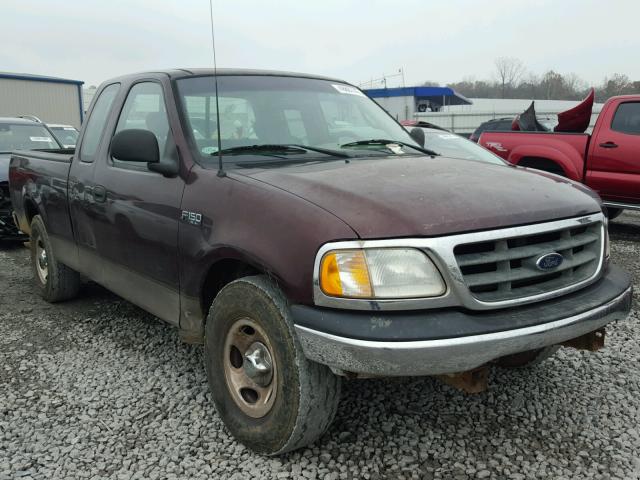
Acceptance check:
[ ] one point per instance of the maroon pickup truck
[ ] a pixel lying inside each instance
(304, 236)
(608, 160)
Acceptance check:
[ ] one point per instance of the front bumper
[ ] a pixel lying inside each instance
(446, 341)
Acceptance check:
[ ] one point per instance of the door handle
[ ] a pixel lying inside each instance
(99, 194)
(609, 145)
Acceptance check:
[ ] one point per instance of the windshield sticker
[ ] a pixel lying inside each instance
(447, 136)
(348, 89)
(395, 148)
(40, 139)
(69, 128)
(209, 150)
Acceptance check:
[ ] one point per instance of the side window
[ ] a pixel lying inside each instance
(144, 109)
(627, 118)
(96, 122)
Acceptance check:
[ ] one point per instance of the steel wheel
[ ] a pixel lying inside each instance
(42, 262)
(250, 369)
(269, 396)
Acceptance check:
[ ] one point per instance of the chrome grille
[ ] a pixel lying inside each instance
(505, 268)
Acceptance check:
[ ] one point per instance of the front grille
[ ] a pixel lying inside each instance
(505, 268)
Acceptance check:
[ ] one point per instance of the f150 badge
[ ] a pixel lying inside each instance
(191, 217)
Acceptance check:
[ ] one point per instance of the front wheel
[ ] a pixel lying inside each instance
(269, 396)
(55, 281)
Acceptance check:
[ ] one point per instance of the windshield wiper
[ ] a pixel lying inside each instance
(284, 148)
(383, 141)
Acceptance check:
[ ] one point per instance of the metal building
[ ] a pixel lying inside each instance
(53, 100)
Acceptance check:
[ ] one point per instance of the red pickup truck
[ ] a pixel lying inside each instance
(608, 160)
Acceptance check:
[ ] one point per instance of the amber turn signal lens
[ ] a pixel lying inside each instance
(345, 273)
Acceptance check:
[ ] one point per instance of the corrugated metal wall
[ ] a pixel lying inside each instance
(51, 102)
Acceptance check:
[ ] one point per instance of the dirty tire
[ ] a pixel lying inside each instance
(527, 359)
(307, 393)
(62, 282)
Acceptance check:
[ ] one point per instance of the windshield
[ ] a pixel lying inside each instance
(67, 136)
(454, 146)
(16, 136)
(271, 110)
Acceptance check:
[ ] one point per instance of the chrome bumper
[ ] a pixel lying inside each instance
(451, 355)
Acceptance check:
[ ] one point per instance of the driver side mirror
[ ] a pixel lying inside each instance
(135, 145)
(418, 135)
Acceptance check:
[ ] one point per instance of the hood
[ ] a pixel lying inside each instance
(424, 196)
(4, 166)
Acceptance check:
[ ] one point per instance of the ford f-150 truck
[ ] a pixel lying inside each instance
(293, 227)
(608, 160)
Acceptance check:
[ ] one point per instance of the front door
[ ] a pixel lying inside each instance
(136, 229)
(614, 163)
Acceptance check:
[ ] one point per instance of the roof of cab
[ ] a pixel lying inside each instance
(198, 72)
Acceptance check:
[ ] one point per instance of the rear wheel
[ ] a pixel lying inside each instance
(54, 281)
(269, 396)
(527, 359)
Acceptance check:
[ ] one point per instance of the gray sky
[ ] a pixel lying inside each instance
(444, 40)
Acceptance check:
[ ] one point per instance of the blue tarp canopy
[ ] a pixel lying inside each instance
(436, 95)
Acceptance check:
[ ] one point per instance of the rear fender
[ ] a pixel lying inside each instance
(563, 155)
(31, 206)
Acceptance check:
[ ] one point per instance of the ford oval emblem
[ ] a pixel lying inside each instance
(549, 261)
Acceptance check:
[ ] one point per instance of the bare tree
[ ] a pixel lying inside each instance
(616, 84)
(553, 86)
(575, 85)
(509, 71)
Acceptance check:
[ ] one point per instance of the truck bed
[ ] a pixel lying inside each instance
(43, 177)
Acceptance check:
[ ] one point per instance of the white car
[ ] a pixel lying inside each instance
(67, 135)
(452, 145)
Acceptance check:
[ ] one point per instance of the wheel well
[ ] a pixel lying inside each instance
(30, 211)
(542, 164)
(221, 273)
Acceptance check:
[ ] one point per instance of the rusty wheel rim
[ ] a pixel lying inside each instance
(42, 262)
(250, 370)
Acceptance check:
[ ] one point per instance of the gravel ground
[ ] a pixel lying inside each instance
(96, 388)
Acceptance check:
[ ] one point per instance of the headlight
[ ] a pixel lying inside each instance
(380, 273)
